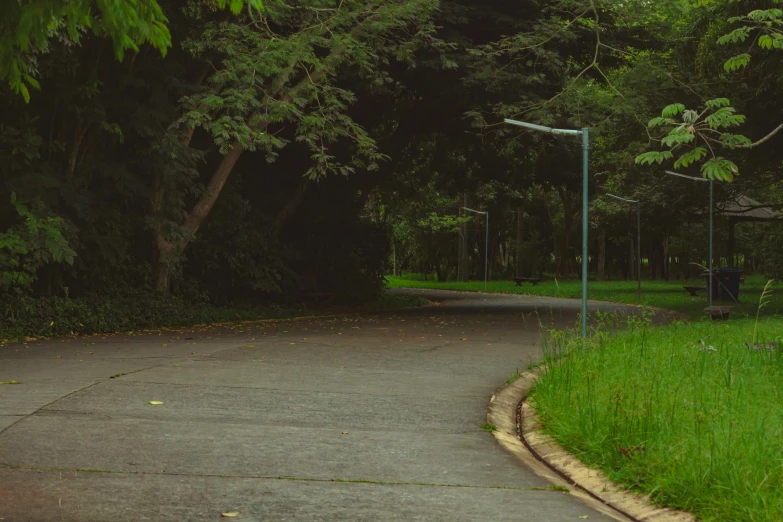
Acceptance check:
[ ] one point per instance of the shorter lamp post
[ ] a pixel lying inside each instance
(585, 135)
(638, 242)
(709, 280)
(486, 242)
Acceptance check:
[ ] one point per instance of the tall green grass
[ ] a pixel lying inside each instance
(687, 413)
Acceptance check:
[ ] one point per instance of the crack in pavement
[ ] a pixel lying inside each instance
(270, 477)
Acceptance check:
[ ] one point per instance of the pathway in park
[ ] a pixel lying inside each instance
(350, 418)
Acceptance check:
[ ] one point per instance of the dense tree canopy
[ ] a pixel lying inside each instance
(236, 151)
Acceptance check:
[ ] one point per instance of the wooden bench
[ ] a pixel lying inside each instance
(533, 280)
(693, 290)
(719, 313)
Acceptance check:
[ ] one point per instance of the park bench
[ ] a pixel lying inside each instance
(533, 280)
(719, 313)
(693, 290)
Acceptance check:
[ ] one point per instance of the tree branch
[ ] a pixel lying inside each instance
(762, 140)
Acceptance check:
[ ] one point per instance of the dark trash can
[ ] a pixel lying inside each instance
(726, 284)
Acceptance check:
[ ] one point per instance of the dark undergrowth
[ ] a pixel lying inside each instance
(57, 317)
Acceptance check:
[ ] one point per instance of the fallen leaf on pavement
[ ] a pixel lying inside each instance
(11, 382)
(156, 403)
(231, 514)
(345, 433)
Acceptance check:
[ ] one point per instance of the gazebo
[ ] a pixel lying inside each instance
(743, 208)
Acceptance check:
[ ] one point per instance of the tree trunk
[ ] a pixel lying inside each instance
(164, 258)
(563, 267)
(291, 205)
(519, 271)
(463, 270)
(730, 253)
(601, 268)
(220, 175)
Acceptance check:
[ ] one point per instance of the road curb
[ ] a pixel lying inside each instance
(519, 432)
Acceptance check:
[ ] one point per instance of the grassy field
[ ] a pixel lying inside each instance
(661, 294)
(699, 426)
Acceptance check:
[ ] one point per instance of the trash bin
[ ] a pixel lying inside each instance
(726, 284)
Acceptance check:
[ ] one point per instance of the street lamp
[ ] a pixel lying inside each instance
(711, 199)
(585, 134)
(486, 242)
(638, 242)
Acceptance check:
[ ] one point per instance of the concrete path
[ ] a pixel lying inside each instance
(354, 418)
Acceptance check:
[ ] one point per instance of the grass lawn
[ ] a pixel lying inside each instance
(662, 294)
(699, 427)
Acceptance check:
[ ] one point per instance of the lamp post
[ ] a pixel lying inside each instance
(638, 242)
(709, 281)
(585, 134)
(486, 242)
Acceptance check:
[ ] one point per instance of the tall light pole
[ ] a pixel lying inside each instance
(585, 134)
(709, 281)
(486, 242)
(638, 242)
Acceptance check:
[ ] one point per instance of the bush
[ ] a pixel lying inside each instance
(58, 316)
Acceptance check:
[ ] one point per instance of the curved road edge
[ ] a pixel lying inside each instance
(519, 432)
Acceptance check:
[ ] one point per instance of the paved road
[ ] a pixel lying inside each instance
(354, 418)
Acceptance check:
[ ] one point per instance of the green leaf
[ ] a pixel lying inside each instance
(648, 158)
(761, 15)
(766, 42)
(734, 140)
(678, 136)
(717, 103)
(655, 122)
(692, 156)
(672, 110)
(719, 169)
(736, 36)
(724, 117)
(736, 62)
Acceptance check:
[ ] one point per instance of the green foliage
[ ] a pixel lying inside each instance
(720, 169)
(648, 158)
(692, 156)
(672, 110)
(768, 26)
(30, 245)
(57, 316)
(26, 317)
(707, 126)
(29, 27)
